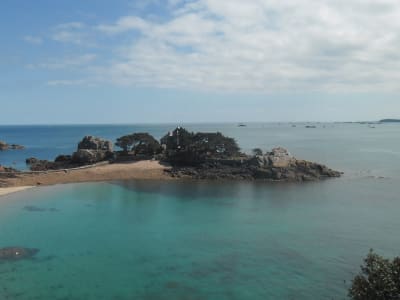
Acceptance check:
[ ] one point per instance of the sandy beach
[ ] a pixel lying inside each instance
(10, 190)
(122, 171)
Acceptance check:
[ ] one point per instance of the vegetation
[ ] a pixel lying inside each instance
(379, 279)
(186, 147)
(139, 143)
(257, 151)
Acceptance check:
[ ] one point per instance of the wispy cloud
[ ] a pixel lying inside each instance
(258, 45)
(33, 39)
(74, 33)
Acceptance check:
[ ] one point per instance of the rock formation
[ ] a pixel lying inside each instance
(16, 253)
(276, 165)
(4, 146)
(92, 150)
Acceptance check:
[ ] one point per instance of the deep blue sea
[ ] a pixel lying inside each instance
(205, 240)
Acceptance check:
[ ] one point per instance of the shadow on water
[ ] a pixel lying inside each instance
(225, 192)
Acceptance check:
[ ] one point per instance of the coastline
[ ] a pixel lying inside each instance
(10, 190)
(146, 169)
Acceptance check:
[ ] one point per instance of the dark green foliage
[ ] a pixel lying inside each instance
(257, 151)
(178, 139)
(140, 143)
(379, 279)
(184, 147)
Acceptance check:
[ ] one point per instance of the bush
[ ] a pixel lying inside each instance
(379, 279)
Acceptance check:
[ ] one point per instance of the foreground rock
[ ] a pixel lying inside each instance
(17, 253)
(277, 165)
(4, 146)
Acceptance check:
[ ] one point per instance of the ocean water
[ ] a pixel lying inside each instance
(205, 240)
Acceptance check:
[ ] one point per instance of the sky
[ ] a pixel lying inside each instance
(180, 61)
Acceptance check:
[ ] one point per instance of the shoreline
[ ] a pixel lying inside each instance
(4, 191)
(145, 169)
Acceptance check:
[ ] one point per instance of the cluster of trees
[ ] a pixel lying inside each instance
(184, 147)
(180, 145)
(379, 279)
(139, 143)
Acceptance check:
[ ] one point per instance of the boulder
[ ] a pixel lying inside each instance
(31, 160)
(92, 150)
(86, 157)
(94, 143)
(63, 158)
(279, 158)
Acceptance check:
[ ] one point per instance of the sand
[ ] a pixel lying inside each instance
(146, 169)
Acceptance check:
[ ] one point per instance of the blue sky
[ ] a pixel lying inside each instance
(124, 61)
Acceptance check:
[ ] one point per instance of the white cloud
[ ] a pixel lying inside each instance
(73, 33)
(35, 40)
(259, 45)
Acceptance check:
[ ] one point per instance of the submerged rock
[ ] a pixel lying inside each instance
(17, 253)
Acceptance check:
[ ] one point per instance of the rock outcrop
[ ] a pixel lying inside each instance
(94, 143)
(277, 165)
(92, 150)
(89, 151)
(17, 253)
(4, 146)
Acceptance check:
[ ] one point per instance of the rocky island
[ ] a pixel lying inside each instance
(179, 154)
(4, 146)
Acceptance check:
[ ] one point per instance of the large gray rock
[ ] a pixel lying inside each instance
(85, 156)
(92, 150)
(279, 158)
(95, 143)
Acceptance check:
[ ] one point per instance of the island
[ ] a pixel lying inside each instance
(4, 146)
(389, 121)
(179, 154)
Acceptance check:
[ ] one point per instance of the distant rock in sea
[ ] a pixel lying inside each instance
(389, 121)
(4, 146)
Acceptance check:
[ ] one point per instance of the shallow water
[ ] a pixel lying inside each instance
(169, 240)
(204, 240)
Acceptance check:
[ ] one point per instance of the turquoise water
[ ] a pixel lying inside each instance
(169, 240)
(204, 240)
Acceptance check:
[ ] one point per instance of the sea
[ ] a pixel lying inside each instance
(198, 239)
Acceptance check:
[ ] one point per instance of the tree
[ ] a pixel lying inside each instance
(379, 279)
(178, 139)
(257, 151)
(184, 147)
(140, 143)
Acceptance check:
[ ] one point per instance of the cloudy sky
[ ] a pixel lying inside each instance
(127, 61)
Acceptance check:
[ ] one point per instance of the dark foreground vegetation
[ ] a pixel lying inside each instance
(379, 279)
(200, 155)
